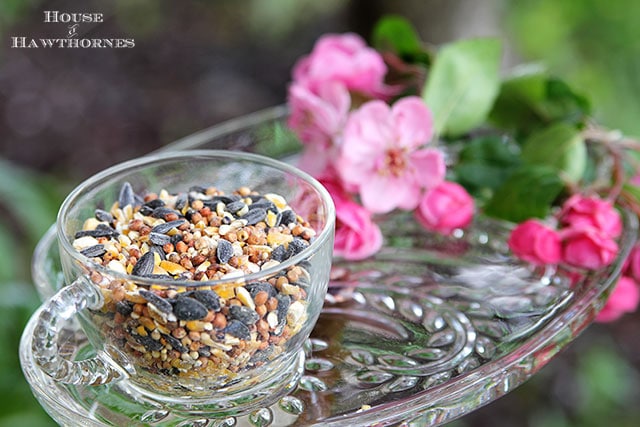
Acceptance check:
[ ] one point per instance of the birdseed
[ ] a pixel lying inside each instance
(193, 330)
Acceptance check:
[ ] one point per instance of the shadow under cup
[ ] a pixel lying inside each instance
(169, 355)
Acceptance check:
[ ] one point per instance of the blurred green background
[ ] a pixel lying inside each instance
(67, 113)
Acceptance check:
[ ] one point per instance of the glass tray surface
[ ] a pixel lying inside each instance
(426, 331)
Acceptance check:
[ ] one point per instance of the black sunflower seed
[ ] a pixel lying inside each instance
(209, 299)
(186, 308)
(148, 342)
(155, 203)
(224, 199)
(126, 196)
(181, 201)
(296, 246)
(279, 253)
(100, 231)
(168, 226)
(159, 239)
(189, 213)
(145, 210)
(263, 204)
(255, 287)
(175, 343)
(278, 220)
(243, 314)
(162, 212)
(160, 303)
(94, 251)
(283, 306)
(144, 265)
(224, 252)
(234, 207)
(102, 215)
(238, 330)
(158, 250)
(124, 307)
(254, 216)
(288, 217)
(204, 351)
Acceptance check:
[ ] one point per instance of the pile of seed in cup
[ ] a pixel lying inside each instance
(198, 235)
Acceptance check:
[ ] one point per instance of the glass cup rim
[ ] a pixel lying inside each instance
(113, 171)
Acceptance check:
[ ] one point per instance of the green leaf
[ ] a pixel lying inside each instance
(396, 34)
(559, 146)
(515, 106)
(565, 104)
(8, 262)
(484, 163)
(29, 198)
(463, 85)
(528, 192)
(530, 99)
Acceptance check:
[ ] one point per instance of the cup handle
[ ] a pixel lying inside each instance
(61, 307)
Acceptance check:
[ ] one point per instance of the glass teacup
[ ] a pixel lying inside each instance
(197, 276)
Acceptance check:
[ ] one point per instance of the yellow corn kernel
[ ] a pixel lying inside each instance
(171, 267)
(244, 297)
(277, 200)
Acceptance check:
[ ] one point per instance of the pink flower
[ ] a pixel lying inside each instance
(318, 120)
(632, 263)
(381, 156)
(445, 208)
(343, 58)
(534, 242)
(623, 299)
(357, 236)
(588, 248)
(580, 211)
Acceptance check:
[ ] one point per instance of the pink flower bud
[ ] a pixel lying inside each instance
(624, 299)
(343, 58)
(588, 248)
(534, 242)
(579, 211)
(632, 264)
(357, 236)
(445, 207)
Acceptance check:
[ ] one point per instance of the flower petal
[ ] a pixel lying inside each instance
(413, 122)
(428, 167)
(381, 194)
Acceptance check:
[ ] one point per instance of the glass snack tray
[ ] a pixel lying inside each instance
(428, 330)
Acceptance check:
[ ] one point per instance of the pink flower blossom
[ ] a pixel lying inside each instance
(632, 263)
(381, 156)
(318, 120)
(535, 242)
(357, 236)
(343, 58)
(580, 211)
(623, 299)
(445, 208)
(588, 248)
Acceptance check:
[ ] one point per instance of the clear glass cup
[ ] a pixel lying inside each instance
(139, 333)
